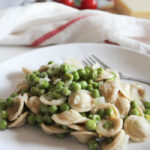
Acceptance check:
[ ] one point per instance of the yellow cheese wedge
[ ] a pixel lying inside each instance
(136, 8)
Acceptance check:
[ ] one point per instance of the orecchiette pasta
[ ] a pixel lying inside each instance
(110, 90)
(117, 125)
(69, 117)
(47, 101)
(83, 136)
(81, 101)
(118, 143)
(34, 104)
(16, 109)
(137, 128)
(52, 129)
(77, 127)
(20, 121)
(106, 106)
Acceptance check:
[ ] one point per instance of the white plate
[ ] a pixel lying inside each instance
(30, 138)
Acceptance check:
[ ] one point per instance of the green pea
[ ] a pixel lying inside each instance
(88, 72)
(59, 87)
(147, 111)
(68, 77)
(50, 62)
(65, 68)
(53, 109)
(64, 107)
(90, 87)
(75, 86)
(83, 84)
(37, 73)
(31, 119)
(102, 113)
(41, 92)
(51, 87)
(14, 95)
(47, 119)
(93, 144)
(60, 135)
(147, 105)
(4, 115)
(76, 76)
(34, 91)
(96, 85)
(44, 108)
(109, 139)
(60, 82)
(9, 101)
(90, 81)
(43, 74)
(90, 125)
(108, 125)
(35, 81)
(32, 76)
(3, 124)
(109, 111)
(82, 73)
(66, 91)
(44, 84)
(94, 117)
(96, 93)
(135, 112)
(100, 70)
(134, 104)
(56, 95)
(39, 118)
(94, 74)
(3, 106)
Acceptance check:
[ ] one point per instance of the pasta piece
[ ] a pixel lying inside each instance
(34, 104)
(69, 117)
(52, 129)
(77, 64)
(106, 74)
(119, 142)
(26, 70)
(81, 101)
(16, 109)
(123, 105)
(115, 114)
(83, 136)
(49, 101)
(20, 121)
(22, 85)
(117, 125)
(137, 128)
(110, 91)
(77, 127)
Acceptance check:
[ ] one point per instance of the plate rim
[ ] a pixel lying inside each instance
(59, 45)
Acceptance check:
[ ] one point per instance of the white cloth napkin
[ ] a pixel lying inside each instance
(43, 24)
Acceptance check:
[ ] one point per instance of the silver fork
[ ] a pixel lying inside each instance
(91, 60)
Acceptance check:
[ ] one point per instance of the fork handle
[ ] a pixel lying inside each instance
(136, 79)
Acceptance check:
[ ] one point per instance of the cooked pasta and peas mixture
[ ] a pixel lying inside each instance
(86, 102)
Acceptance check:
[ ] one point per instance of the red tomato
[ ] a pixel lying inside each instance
(89, 4)
(67, 2)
